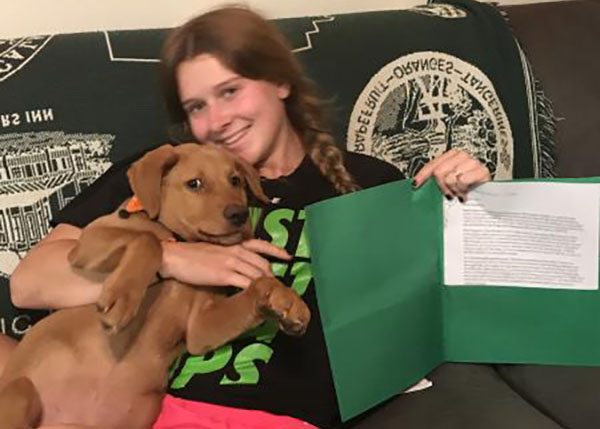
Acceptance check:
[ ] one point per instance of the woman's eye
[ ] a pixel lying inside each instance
(236, 181)
(229, 92)
(194, 184)
(191, 109)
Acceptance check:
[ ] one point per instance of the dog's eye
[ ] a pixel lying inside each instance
(236, 181)
(194, 184)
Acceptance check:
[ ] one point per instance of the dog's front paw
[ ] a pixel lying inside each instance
(283, 304)
(118, 306)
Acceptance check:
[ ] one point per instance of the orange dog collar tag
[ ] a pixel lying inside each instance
(134, 205)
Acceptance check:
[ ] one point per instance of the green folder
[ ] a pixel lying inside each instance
(388, 319)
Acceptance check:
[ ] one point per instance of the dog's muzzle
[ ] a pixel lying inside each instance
(236, 214)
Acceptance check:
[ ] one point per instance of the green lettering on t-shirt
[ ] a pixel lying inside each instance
(302, 276)
(254, 214)
(302, 249)
(263, 333)
(244, 362)
(273, 226)
(278, 268)
(202, 365)
(246, 367)
(174, 367)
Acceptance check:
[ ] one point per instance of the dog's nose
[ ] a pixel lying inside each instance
(236, 214)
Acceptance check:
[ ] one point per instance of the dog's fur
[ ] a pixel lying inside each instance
(106, 365)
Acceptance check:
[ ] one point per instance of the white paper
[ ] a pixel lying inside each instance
(421, 385)
(540, 235)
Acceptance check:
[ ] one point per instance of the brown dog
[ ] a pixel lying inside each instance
(106, 366)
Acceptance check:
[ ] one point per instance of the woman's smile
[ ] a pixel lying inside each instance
(233, 137)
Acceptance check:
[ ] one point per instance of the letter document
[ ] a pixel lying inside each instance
(523, 234)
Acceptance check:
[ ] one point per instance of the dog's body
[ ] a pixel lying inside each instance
(106, 365)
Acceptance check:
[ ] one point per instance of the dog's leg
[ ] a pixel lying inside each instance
(20, 405)
(214, 323)
(132, 257)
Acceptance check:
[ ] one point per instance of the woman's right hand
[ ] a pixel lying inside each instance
(215, 265)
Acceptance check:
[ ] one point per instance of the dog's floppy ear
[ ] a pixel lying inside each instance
(252, 179)
(145, 176)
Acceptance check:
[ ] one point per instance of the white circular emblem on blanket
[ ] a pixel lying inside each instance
(422, 104)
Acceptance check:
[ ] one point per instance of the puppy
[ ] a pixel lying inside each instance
(105, 365)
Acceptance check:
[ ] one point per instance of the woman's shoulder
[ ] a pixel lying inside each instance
(370, 171)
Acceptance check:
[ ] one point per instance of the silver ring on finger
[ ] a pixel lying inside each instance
(452, 176)
(457, 173)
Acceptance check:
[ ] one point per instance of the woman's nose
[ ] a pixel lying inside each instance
(218, 118)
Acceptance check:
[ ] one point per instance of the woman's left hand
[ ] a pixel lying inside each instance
(456, 172)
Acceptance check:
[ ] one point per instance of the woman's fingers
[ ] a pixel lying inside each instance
(238, 280)
(436, 165)
(467, 179)
(266, 248)
(251, 264)
(215, 265)
(455, 172)
(246, 262)
(465, 173)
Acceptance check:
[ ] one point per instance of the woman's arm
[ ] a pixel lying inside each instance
(45, 279)
(212, 265)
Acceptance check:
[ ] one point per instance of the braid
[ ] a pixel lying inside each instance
(319, 142)
(329, 158)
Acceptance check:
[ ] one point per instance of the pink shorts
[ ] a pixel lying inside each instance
(179, 413)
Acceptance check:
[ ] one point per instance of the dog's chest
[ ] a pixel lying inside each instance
(80, 380)
(108, 403)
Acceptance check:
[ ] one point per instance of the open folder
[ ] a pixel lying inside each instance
(388, 316)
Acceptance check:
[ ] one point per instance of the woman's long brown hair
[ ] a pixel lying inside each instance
(253, 47)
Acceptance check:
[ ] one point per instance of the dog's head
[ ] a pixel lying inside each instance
(198, 191)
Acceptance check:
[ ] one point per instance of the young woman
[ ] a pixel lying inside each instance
(231, 79)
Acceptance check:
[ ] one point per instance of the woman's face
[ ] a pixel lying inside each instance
(245, 116)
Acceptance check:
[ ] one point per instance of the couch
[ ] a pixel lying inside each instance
(403, 85)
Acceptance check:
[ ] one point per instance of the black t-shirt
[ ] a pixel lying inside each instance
(264, 369)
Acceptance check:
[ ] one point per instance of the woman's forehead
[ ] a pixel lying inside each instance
(203, 71)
